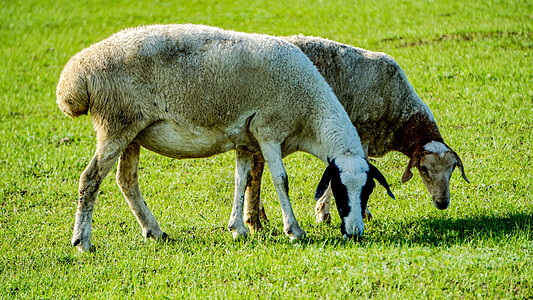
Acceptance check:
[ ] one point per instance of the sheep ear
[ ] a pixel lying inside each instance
(324, 182)
(376, 174)
(407, 174)
(460, 165)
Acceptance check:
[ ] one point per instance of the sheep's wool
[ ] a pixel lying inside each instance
(436, 147)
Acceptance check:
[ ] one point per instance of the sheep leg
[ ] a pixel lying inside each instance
(127, 180)
(262, 213)
(105, 157)
(253, 208)
(323, 205)
(273, 158)
(243, 164)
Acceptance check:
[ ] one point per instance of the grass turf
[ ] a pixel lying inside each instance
(472, 63)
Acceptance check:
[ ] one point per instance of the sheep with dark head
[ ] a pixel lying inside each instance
(388, 115)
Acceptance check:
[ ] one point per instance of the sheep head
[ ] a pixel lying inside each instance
(352, 182)
(436, 163)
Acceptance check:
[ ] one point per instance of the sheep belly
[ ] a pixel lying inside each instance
(180, 142)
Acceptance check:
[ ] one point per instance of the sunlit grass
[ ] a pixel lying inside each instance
(471, 62)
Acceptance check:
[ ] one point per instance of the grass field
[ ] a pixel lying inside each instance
(470, 61)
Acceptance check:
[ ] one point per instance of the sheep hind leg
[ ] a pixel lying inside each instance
(242, 177)
(253, 208)
(105, 157)
(273, 158)
(127, 180)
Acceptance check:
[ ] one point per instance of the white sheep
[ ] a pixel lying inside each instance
(188, 91)
(388, 115)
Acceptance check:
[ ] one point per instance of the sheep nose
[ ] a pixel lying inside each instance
(441, 204)
(356, 233)
(441, 200)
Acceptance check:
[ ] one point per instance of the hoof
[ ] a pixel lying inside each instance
(165, 238)
(237, 236)
(156, 235)
(238, 233)
(296, 234)
(82, 246)
(323, 218)
(253, 222)
(254, 227)
(76, 242)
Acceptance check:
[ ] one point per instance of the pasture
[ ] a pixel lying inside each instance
(471, 62)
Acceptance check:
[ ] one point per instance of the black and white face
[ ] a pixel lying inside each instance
(348, 192)
(352, 182)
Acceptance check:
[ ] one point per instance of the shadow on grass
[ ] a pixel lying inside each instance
(452, 231)
(441, 232)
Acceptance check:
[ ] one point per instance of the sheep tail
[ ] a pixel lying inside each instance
(72, 92)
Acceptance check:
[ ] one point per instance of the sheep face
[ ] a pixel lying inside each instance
(352, 182)
(436, 165)
(436, 170)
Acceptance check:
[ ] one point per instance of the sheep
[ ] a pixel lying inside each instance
(388, 115)
(192, 91)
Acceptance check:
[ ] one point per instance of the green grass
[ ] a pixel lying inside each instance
(472, 63)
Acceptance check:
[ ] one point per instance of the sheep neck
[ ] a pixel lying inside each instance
(417, 132)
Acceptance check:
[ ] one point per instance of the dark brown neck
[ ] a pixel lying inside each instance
(417, 132)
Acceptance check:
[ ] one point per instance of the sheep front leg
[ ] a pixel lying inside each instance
(273, 158)
(323, 205)
(242, 177)
(127, 180)
(90, 181)
(253, 208)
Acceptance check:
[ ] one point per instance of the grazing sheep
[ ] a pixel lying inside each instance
(189, 91)
(387, 113)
